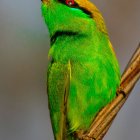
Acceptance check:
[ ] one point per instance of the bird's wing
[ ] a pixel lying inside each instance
(58, 89)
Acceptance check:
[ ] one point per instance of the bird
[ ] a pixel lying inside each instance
(83, 72)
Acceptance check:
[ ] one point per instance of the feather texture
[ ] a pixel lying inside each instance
(84, 73)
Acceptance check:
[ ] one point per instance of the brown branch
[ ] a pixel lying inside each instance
(104, 119)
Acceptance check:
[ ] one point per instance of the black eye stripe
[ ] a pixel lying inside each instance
(64, 2)
(86, 11)
(75, 5)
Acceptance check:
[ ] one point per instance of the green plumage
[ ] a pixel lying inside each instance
(84, 74)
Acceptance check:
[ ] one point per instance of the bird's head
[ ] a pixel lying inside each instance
(74, 16)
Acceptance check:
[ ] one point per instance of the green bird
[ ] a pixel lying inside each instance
(83, 74)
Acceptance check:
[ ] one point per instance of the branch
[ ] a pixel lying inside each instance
(105, 117)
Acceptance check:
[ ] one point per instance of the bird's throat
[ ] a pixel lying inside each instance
(60, 34)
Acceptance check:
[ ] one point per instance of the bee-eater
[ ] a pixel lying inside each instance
(83, 74)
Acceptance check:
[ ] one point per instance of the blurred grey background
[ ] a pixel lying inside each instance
(24, 45)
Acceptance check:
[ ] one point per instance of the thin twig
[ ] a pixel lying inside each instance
(106, 116)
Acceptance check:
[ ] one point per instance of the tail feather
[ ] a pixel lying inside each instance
(70, 137)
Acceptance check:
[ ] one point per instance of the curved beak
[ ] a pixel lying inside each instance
(45, 1)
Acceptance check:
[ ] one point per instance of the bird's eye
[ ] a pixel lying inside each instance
(70, 2)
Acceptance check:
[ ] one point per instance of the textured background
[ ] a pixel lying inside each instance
(24, 45)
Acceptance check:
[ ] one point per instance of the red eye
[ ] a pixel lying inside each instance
(70, 2)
